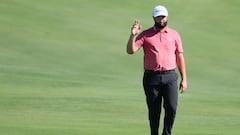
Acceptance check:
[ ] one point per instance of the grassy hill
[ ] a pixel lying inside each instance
(64, 70)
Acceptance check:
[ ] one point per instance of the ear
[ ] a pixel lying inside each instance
(154, 19)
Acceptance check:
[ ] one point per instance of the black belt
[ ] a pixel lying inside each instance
(159, 72)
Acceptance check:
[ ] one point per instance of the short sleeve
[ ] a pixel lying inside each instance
(178, 43)
(139, 40)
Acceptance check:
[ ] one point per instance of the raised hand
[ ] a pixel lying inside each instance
(136, 28)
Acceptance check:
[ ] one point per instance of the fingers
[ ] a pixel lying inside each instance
(136, 24)
(135, 28)
(183, 86)
(182, 89)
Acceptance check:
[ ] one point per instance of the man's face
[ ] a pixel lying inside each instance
(160, 21)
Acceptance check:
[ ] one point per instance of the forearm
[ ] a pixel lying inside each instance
(131, 48)
(181, 66)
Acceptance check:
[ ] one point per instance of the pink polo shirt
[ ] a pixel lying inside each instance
(160, 48)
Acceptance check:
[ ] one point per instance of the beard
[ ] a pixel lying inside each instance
(161, 25)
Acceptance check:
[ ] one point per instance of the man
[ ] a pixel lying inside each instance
(163, 52)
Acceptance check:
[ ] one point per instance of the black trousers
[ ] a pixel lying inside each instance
(160, 86)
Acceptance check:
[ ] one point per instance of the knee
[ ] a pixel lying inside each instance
(170, 108)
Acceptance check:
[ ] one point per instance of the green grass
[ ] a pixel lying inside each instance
(64, 70)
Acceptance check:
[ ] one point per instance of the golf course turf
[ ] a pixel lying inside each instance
(64, 69)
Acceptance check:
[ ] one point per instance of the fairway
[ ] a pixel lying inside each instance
(64, 69)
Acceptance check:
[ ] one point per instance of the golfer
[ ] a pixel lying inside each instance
(163, 52)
